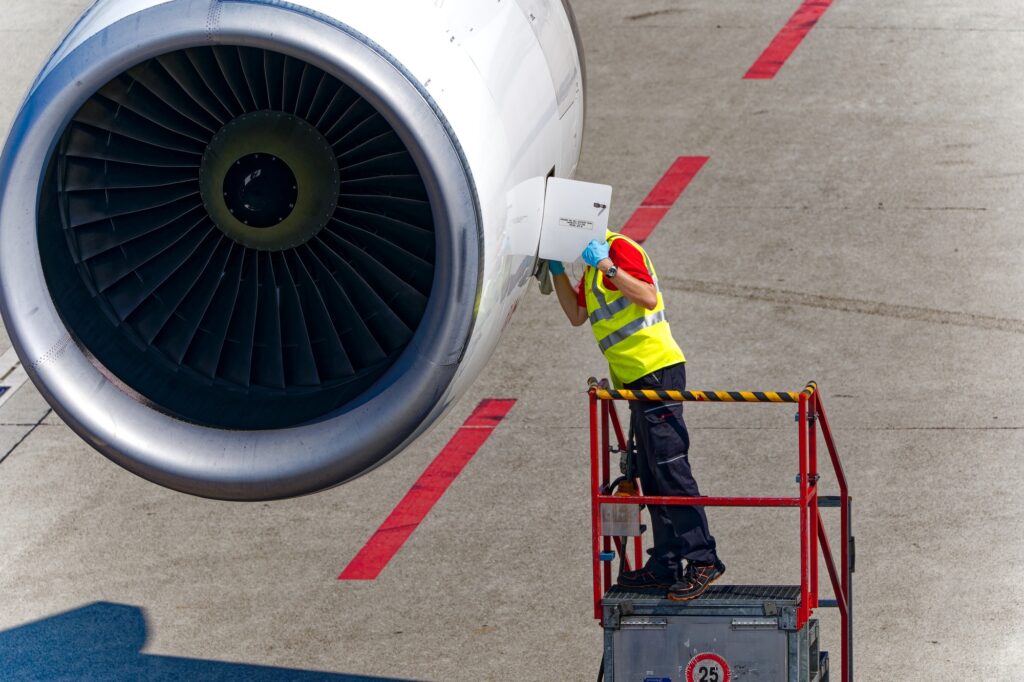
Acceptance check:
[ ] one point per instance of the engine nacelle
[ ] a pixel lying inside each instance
(251, 249)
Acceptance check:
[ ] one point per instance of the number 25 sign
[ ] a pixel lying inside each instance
(707, 668)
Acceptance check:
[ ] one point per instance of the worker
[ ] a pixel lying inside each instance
(620, 296)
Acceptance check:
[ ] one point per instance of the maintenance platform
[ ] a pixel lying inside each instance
(731, 632)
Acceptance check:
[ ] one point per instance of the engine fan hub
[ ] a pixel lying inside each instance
(260, 190)
(269, 180)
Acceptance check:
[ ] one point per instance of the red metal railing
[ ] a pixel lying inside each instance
(813, 538)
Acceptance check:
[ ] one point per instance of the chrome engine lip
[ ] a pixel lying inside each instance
(218, 463)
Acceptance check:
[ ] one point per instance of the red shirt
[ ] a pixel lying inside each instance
(626, 257)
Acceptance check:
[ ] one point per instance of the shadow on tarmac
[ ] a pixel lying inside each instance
(104, 641)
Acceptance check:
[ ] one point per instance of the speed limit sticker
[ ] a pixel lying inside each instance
(707, 667)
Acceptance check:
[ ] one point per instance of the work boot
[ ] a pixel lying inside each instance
(654, 575)
(696, 580)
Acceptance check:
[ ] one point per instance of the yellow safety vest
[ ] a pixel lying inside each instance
(635, 341)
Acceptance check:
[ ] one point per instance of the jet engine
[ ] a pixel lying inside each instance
(251, 249)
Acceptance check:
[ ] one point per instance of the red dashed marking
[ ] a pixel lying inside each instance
(660, 199)
(787, 40)
(424, 494)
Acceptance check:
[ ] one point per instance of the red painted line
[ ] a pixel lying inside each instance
(653, 208)
(787, 40)
(424, 494)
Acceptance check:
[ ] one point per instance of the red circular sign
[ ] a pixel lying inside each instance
(708, 667)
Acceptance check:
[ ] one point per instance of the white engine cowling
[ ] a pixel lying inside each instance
(250, 249)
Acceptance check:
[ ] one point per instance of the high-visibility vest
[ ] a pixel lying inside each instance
(635, 341)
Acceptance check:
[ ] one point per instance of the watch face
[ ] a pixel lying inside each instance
(612, 271)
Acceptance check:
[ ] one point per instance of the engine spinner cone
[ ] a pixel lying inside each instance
(269, 180)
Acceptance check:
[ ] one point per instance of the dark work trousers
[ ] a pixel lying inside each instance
(663, 465)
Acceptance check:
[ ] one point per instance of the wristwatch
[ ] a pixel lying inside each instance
(611, 272)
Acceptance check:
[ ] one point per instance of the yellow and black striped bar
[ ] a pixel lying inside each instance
(708, 396)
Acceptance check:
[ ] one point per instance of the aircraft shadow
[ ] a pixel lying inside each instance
(104, 641)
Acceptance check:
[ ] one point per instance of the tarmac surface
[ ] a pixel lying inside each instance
(858, 223)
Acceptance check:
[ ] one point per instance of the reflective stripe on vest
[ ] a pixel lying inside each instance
(632, 328)
(608, 310)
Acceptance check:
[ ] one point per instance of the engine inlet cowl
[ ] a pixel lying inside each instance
(251, 250)
(254, 242)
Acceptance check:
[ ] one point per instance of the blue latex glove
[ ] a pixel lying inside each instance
(556, 267)
(595, 252)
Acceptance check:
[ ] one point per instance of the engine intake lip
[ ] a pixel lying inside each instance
(141, 434)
